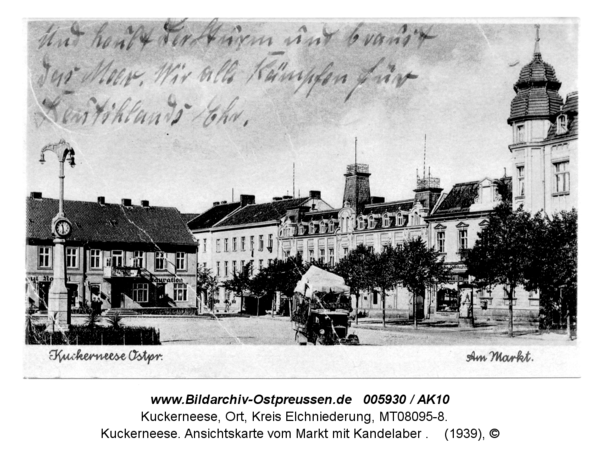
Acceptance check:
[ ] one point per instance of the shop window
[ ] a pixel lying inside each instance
(45, 257)
(180, 261)
(447, 300)
(73, 293)
(140, 292)
(95, 259)
(180, 292)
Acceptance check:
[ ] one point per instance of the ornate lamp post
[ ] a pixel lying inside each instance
(59, 307)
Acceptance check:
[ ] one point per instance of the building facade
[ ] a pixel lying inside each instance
(118, 255)
(367, 220)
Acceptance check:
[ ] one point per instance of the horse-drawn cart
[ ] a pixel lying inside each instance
(321, 309)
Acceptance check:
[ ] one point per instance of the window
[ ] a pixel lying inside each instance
(301, 229)
(218, 269)
(270, 242)
(116, 258)
(300, 254)
(159, 261)
(180, 292)
(311, 228)
(322, 255)
(261, 243)
(218, 245)
(234, 266)
(331, 257)
(386, 221)
(44, 257)
(561, 124)
(243, 242)
(322, 227)
(204, 245)
(251, 243)
(345, 250)
(463, 241)
(311, 255)
(441, 241)
(226, 245)
(95, 259)
(520, 180)
(234, 244)
(260, 264)
(361, 223)
(140, 292)
(561, 177)
(180, 261)
(226, 268)
(251, 270)
(331, 226)
(520, 133)
(138, 259)
(204, 265)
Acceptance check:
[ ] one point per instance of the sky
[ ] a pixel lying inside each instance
(460, 98)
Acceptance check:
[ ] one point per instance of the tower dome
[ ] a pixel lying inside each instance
(537, 89)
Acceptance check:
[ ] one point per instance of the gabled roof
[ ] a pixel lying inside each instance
(259, 213)
(109, 223)
(212, 216)
(188, 217)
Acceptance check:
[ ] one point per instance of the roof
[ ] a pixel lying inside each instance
(394, 206)
(212, 216)
(109, 223)
(258, 213)
(461, 197)
(537, 91)
(189, 217)
(571, 108)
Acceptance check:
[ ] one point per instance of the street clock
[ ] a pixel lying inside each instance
(61, 227)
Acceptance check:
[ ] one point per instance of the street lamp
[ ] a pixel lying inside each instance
(59, 308)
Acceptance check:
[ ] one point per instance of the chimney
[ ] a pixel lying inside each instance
(146, 204)
(246, 200)
(277, 198)
(126, 202)
(216, 203)
(101, 201)
(287, 197)
(314, 194)
(36, 195)
(223, 202)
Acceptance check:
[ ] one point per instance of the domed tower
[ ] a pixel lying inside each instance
(532, 110)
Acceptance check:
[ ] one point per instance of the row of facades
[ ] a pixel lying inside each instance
(124, 255)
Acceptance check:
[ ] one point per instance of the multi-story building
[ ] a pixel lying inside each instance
(367, 220)
(243, 233)
(122, 255)
(544, 140)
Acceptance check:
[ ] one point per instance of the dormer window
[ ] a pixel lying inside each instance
(361, 223)
(371, 221)
(399, 220)
(322, 227)
(561, 124)
(301, 230)
(331, 226)
(386, 221)
(311, 228)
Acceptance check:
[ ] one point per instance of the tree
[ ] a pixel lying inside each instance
(419, 268)
(553, 266)
(503, 252)
(239, 282)
(206, 283)
(384, 271)
(353, 268)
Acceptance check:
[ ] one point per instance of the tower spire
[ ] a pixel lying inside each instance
(536, 49)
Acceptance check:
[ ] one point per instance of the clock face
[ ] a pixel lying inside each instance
(63, 228)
